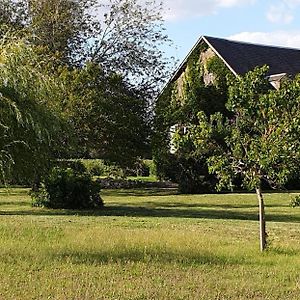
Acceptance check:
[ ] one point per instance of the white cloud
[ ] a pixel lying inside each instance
(181, 9)
(292, 3)
(276, 38)
(282, 11)
(231, 3)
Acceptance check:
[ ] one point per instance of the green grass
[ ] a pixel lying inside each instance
(149, 244)
(138, 178)
(151, 178)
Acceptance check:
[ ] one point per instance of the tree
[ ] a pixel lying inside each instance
(262, 136)
(109, 118)
(29, 120)
(123, 36)
(13, 14)
(123, 39)
(130, 42)
(63, 27)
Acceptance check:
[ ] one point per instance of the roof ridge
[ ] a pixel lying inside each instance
(250, 43)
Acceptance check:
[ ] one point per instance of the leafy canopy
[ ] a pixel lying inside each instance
(261, 138)
(29, 119)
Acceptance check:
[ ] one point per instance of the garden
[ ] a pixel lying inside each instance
(93, 202)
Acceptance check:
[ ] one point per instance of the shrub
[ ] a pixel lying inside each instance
(39, 196)
(67, 188)
(76, 165)
(152, 167)
(191, 174)
(115, 172)
(295, 202)
(96, 167)
(139, 168)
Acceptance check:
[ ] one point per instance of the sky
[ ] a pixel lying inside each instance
(270, 22)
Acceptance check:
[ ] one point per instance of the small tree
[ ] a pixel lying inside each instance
(262, 136)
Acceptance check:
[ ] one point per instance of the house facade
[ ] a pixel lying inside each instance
(201, 84)
(241, 57)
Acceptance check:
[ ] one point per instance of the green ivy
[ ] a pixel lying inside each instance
(181, 105)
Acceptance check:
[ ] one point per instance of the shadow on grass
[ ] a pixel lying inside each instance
(157, 212)
(167, 256)
(145, 192)
(195, 205)
(149, 256)
(158, 209)
(14, 203)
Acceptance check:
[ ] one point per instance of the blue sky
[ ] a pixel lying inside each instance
(274, 22)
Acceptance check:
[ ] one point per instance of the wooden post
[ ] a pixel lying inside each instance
(262, 221)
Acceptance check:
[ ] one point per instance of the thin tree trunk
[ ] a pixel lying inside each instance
(262, 221)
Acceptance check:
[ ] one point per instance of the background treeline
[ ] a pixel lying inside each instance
(77, 79)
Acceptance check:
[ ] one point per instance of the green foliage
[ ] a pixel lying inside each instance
(95, 167)
(261, 143)
(66, 188)
(130, 42)
(295, 202)
(40, 196)
(109, 118)
(179, 104)
(124, 36)
(163, 120)
(63, 28)
(99, 167)
(197, 96)
(30, 123)
(75, 164)
(150, 165)
(108, 69)
(220, 72)
(12, 15)
(263, 139)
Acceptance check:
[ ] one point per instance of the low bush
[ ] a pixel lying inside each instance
(139, 169)
(151, 166)
(112, 183)
(191, 174)
(295, 202)
(74, 164)
(68, 188)
(96, 167)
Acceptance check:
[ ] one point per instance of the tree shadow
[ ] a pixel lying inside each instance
(14, 203)
(158, 209)
(152, 255)
(144, 192)
(196, 205)
(165, 256)
(157, 212)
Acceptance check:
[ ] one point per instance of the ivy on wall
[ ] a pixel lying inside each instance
(179, 104)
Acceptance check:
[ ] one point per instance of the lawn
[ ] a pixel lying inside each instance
(149, 244)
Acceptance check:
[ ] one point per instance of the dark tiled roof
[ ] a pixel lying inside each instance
(242, 57)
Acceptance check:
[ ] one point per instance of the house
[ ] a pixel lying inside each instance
(199, 84)
(236, 58)
(241, 57)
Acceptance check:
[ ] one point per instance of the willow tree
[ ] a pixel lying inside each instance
(29, 121)
(261, 141)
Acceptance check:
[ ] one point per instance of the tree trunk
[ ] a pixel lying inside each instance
(262, 221)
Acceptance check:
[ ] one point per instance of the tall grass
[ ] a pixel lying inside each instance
(149, 244)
